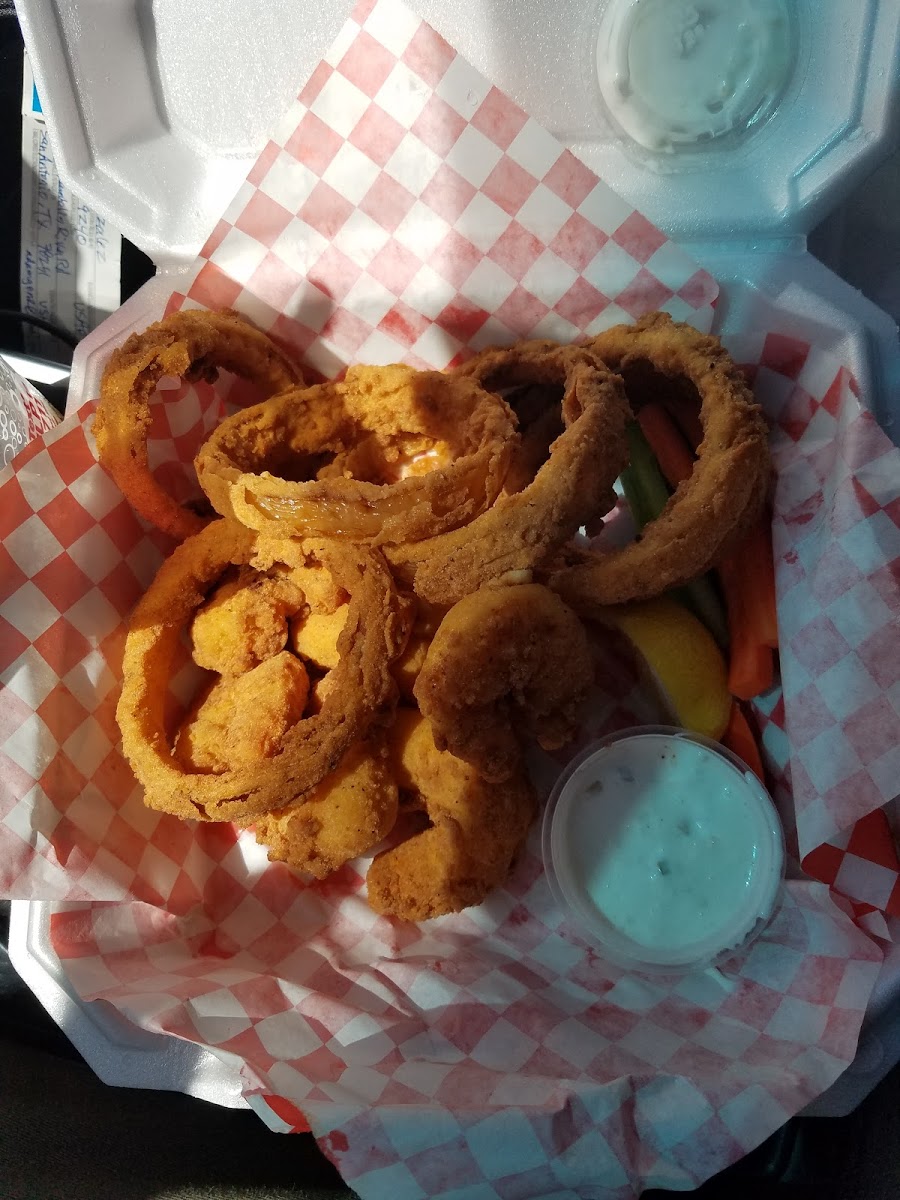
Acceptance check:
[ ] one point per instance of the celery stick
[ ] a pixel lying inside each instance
(647, 495)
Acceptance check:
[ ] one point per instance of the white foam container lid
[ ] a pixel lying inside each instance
(156, 113)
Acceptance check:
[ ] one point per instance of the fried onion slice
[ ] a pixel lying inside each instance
(523, 530)
(725, 492)
(363, 689)
(397, 455)
(191, 345)
(506, 664)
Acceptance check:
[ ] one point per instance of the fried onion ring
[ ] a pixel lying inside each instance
(363, 692)
(378, 424)
(506, 664)
(709, 510)
(476, 830)
(192, 345)
(523, 530)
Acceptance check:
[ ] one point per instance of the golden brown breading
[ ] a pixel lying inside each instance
(476, 830)
(324, 461)
(407, 667)
(348, 813)
(193, 345)
(363, 694)
(242, 720)
(244, 622)
(507, 663)
(724, 494)
(319, 589)
(524, 530)
(314, 636)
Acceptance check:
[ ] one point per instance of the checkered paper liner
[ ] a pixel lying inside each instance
(832, 731)
(405, 207)
(424, 1057)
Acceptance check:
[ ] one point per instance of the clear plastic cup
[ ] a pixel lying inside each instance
(664, 849)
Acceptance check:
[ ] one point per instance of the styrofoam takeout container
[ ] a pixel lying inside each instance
(119, 1052)
(157, 112)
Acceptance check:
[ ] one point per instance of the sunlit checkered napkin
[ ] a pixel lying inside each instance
(406, 209)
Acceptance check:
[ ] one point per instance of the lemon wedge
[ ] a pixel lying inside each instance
(683, 657)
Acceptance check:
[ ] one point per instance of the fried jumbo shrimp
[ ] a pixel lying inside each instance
(507, 663)
(192, 345)
(723, 495)
(242, 720)
(244, 622)
(345, 815)
(522, 531)
(319, 693)
(315, 636)
(407, 667)
(476, 830)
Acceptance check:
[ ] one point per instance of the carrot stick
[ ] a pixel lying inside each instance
(751, 671)
(739, 739)
(672, 453)
(754, 553)
(747, 575)
(686, 415)
(751, 667)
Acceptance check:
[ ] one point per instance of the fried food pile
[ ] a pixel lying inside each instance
(383, 591)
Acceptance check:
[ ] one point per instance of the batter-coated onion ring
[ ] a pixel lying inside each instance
(522, 531)
(506, 664)
(192, 345)
(709, 510)
(375, 632)
(372, 421)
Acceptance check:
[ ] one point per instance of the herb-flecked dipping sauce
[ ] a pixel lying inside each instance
(667, 850)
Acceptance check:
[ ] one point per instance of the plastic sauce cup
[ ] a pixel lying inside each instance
(681, 77)
(665, 849)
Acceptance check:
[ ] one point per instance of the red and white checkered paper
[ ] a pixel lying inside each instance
(407, 210)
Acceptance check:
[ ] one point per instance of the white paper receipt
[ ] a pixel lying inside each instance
(70, 256)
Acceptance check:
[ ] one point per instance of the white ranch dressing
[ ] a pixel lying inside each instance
(676, 74)
(666, 850)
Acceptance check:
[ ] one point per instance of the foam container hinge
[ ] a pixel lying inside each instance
(157, 110)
